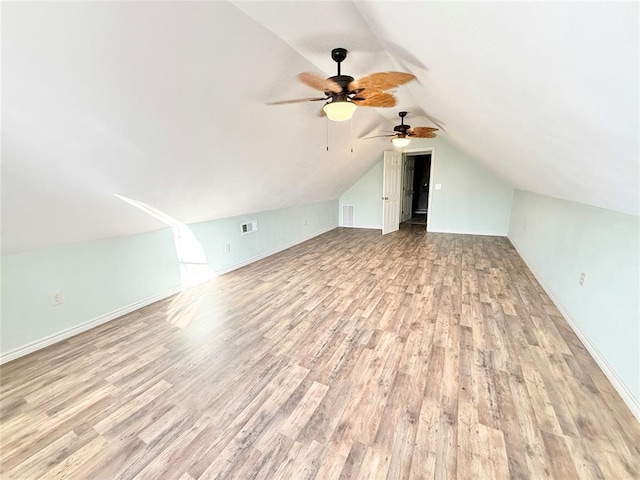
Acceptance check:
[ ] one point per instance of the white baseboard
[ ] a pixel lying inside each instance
(251, 260)
(632, 402)
(70, 332)
(371, 227)
(457, 232)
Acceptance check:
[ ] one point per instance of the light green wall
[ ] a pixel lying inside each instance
(366, 197)
(559, 240)
(277, 229)
(95, 278)
(472, 199)
(103, 279)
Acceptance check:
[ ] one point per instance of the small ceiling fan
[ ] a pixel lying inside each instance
(343, 93)
(404, 133)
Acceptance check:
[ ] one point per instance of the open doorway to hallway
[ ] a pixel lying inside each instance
(416, 181)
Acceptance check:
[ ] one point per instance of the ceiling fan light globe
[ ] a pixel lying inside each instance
(339, 111)
(400, 141)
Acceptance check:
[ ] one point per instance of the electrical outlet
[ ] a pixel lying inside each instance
(227, 249)
(56, 298)
(582, 276)
(305, 222)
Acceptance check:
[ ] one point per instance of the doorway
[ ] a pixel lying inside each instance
(416, 185)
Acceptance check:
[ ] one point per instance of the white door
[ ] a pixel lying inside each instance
(391, 183)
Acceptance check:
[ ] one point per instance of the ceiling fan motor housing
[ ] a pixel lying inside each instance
(343, 81)
(338, 55)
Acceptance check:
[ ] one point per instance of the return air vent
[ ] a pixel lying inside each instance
(249, 227)
(348, 213)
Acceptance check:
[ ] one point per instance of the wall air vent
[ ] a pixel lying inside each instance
(249, 227)
(348, 214)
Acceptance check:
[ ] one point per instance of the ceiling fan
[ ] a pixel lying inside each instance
(404, 133)
(343, 93)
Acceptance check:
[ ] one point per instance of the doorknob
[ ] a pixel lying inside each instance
(385, 198)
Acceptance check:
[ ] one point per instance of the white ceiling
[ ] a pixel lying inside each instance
(164, 102)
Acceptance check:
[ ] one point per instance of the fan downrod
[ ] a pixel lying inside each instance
(338, 55)
(402, 128)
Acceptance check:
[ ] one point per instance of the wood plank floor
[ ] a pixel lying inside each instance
(353, 355)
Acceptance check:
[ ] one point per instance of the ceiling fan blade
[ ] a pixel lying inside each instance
(425, 135)
(319, 83)
(422, 132)
(378, 136)
(299, 100)
(377, 99)
(381, 81)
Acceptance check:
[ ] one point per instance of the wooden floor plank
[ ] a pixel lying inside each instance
(352, 355)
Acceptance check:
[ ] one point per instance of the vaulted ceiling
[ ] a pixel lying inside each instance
(165, 103)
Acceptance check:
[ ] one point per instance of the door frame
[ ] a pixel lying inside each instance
(432, 151)
(405, 175)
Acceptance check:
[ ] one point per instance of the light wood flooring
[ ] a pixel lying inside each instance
(352, 355)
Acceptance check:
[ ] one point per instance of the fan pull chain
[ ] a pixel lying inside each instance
(351, 135)
(327, 133)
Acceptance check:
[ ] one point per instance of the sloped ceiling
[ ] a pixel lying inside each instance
(164, 102)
